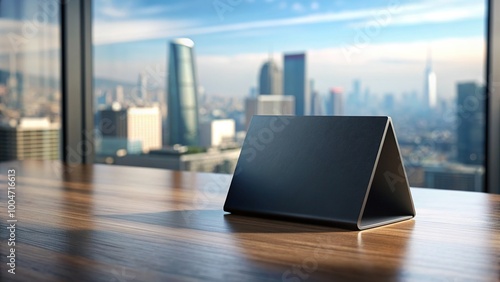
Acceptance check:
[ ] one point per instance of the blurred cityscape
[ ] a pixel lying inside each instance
(181, 126)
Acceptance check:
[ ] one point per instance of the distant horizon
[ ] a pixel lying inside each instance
(381, 44)
(384, 46)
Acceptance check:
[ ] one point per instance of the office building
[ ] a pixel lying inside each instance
(119, 96)
(388, 104)
(471, 123)
(430, 90)
(335, 102)
(316, 104)
(455, 177)
(141, 124)
(295, 82)
(316, 100)
(14, 99)
(182, 94)
(30, 139)
(270, 79)
(217, 133)
(142, 88)
(354, 99)
(269, 105)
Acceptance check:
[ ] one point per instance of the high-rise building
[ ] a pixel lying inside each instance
(295, 82)
(12, 85)
(270, 79)
(471, 123)
(388, 104)
(142, 88)
(133, 124)
(269, 105)
(182, 94)
(430, 91)
(354, 99)
(316, 101)
(455, 177)
(316, 104)
(335, 102)
(29, 139)
(119, 97)
(216, 133)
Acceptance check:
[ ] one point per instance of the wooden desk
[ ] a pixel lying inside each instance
(111, 223)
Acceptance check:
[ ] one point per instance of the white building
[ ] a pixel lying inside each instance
(30, 139)
(217, 132)
(144, 124)
(134, 124)
(269, 105)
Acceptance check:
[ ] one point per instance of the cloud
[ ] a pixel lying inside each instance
(408, 14)
(126, 9)
(108, 9)
(440, 15)
(314, 5)
(136, 30)
(23, 36)
(297, 7)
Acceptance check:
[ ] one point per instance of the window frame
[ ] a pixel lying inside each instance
(492, 130)
(76, 82)
(77, 88)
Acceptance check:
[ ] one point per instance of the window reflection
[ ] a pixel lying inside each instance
(29, 80)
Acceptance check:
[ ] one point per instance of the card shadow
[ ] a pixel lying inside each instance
(220, 222)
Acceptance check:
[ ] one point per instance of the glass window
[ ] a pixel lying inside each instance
(30, 91)
(420, 62)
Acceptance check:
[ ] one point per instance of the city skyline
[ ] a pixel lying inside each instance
(237, 45)
(381, 70)
(136, 33)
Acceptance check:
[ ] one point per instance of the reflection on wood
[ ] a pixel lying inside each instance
(110, 223)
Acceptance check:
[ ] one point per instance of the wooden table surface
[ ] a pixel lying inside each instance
(113, 223)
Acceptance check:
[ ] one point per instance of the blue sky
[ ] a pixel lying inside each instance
(130, 36)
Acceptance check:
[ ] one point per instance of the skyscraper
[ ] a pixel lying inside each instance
(142, 88)
(134, 124)
(119, 97)
(316, 104)
(270, 79)
(268, 105)
(454, 177)
(295, 78)
(430, 92)
(388, 104)
(354, 100)
(471, 123)
(217, 133)
(316, 100)
(29, 139)
(335, 102)
(12, 85)
(182, 94)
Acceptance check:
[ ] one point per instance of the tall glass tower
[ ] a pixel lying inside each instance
(430, 95)
(182, 94)
(294, 83)
(471, 123)
(270, 79)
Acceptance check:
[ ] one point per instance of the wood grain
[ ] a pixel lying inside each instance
(112, 223)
